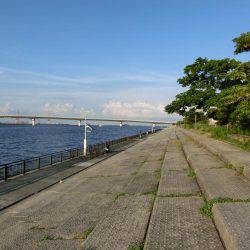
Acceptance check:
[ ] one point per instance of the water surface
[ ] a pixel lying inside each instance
(18, 142)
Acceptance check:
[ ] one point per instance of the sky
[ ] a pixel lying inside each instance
(112, 58)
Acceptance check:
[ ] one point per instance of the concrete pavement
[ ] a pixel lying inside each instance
(166, 192)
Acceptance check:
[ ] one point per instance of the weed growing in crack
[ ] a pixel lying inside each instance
(153, 192)
(85, 234)
(138, 246)
(161, 158)
(50, 237)
(134, 173)
(191, 173)
(240, 171)
(206, 209)
(158, 174)
(176, 195)
(119, 195)
(41, 228)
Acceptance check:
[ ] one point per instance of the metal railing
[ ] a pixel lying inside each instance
(22, 167)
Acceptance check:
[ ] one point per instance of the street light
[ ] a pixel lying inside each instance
(86, 127)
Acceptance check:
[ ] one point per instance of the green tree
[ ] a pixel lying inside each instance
(219, 88)
(242, 43)
(204, 79)
(233, 105)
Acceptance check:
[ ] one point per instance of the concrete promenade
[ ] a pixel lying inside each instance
(165, 192)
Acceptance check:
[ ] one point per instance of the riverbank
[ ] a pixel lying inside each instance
(165, 192)
(237, 137)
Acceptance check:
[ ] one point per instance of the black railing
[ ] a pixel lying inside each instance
(22, 167)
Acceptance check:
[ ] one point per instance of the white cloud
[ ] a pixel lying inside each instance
(16, 76)
(68, 109)
(58, 109)
(139, 109)
(5, 108)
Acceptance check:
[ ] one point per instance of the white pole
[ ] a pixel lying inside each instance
(85, 138)
(153, 126)
(33, 122)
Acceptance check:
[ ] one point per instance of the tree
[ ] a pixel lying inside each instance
(242, 43)
(233, 105)
(219, 88)
(205, 78)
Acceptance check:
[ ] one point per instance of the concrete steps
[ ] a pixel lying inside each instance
(227, 193)
(233, 223)
(228, 153)
(124, 226)
(176, 222)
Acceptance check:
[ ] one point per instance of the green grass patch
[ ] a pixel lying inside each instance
(222, 133)
(152, 192)
(162, 158)
(85, 234)
(119, 195)
(134, 173)
(206, 209)
(158, 174)
(191, 173)
(177, 195)
(50, 237)
(240, 170)
(138, 246)
(41, 228)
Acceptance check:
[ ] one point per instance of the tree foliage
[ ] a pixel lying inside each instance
(242, 43)
(217, 88)
(233, 105)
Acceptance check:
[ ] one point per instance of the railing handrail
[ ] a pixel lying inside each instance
(5, 166)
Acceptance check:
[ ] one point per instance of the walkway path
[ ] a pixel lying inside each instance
(161, 193)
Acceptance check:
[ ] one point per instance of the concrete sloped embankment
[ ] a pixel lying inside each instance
(114, 196)
(125, 224)
(226, 191)
(230, 154)
(176, 222)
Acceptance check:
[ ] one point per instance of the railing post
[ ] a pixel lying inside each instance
(5, 172)
(51, 159)
(24, 167)
(39, 163)
(61, 157)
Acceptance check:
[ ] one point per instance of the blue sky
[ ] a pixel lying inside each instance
(116, 58)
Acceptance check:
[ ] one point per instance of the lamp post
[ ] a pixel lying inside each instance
(85, 137)
(86, 126)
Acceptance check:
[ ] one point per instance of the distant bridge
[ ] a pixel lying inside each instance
(33, 118)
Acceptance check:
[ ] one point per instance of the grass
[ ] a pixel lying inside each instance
(191, 173)
(222, 133)
(240, 171)
(206, 209)
(157, 174)
(177, 195)
(162, 158)
(134, 173)
(138, 246)
(50, 237)
(153, 192)
(41, 228)
(119, 195)
(86, 233)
